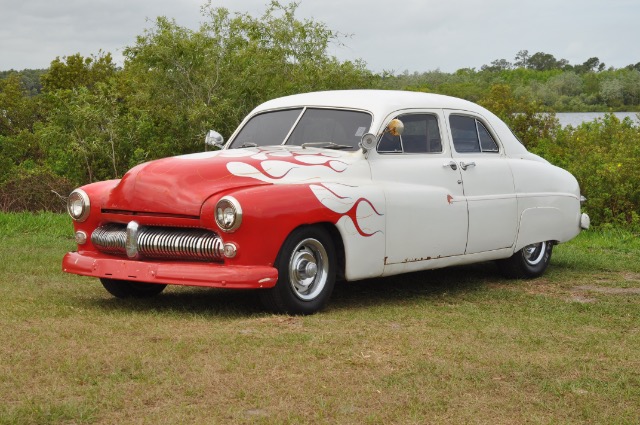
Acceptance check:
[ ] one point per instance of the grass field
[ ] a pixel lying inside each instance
(450, 346)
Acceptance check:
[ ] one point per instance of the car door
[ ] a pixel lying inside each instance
(426, 213)
(487, 182)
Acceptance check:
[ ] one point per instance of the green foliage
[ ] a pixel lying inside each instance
(18, 110)
(541, 61)
(525, 118)
(33, 188)
(81, 136)
(557, 85)
(603, 156)
(77, 71)
(30, 79)
(187, 82)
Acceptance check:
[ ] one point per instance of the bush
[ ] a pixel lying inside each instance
(35, 189)
(603, 156)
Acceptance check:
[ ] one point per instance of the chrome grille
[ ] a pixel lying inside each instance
(110, 238)
(160, 242)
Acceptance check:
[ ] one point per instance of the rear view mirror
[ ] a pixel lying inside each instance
(368, 142)
(214, 139)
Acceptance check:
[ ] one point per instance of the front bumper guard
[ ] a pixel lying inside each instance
(170, 272)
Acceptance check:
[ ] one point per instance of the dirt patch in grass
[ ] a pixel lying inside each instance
(580, 298)
(608, 290)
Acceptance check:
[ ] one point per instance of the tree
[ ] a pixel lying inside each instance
(566, 84)
(632, 66)
(524, 117)
(81, 137)
(590, 65)
(544, 61)
(17, 108)
(30, 79)
(77, 71)
(522, 59)
(612, 92)
(631, 86)
(189, 81)
(497, 65)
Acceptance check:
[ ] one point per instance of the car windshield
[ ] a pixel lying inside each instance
(317, 127)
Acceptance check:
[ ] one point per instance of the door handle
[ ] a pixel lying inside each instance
(451, 164)
(465, 165)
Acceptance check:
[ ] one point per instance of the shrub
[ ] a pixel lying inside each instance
(603, 156)
(34, 189)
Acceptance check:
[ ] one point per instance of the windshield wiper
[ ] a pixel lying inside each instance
(249, 145)
(326, 145)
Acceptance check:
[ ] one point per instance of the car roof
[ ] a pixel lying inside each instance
(379, 102)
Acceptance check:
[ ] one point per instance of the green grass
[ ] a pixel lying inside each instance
(458, 345)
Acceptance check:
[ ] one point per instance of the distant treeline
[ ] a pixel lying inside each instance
(85, 119)
(29, 78)
(552, 83)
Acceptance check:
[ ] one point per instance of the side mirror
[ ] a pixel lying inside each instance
(214, 139)
(368, 142)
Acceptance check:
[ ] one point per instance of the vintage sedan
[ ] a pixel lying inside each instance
(322, 186)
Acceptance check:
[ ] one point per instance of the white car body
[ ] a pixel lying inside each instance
(435, 216)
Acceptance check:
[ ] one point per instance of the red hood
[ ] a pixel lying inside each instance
(177, 185)
(180, 185)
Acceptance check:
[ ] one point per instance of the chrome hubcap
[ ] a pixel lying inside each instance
(533, 254)
(308, 269)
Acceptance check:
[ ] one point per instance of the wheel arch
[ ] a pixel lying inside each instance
(540, 224)
(338, 245)
(354, 217)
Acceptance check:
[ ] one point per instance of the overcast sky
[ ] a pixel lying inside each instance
(399, 35)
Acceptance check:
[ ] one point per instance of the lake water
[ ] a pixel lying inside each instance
(577, 118)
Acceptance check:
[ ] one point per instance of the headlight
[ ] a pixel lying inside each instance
(78, 205)
(228, 214)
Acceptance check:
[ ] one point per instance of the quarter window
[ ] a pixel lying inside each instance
(470, 135)
(421, 135)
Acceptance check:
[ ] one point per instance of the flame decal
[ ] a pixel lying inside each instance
(361, 211)
(353, 215)
(273, 164)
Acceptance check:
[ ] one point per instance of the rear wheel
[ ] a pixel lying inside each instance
(306, 267)
(127, 288)
(531, 261)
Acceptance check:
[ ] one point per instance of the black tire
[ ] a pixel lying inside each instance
(129, 289)
(307, 268)
(531, 261)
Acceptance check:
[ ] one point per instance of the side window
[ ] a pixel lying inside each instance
(421, 135)
(470, 135)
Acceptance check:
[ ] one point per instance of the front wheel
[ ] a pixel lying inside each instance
(531, 261)
(127, 288)
(306, 267)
